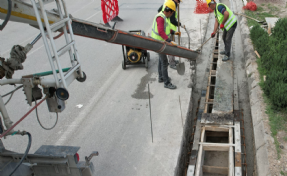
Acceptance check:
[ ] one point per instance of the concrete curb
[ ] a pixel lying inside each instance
(255, 96)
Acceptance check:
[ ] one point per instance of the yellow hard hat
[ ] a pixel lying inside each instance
(209, 1)
(170, 4)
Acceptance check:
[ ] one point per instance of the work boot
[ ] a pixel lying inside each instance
(173, 66)
(225, 58)
(222, 52)
(169, 86)
(160, 80)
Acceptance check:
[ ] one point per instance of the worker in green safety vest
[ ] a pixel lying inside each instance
(228, 23)
(161, 31)
(173, 26)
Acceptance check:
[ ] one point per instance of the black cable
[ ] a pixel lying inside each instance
(7, 18)
(17, 88)
(25, 154)
(40, 121)
(12, 92)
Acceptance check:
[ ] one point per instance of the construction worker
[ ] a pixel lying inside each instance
(228, 23)
(173, 26)
(161, 31)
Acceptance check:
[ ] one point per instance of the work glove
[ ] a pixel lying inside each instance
(213, 34)
(221, 26)
(173, 43)
(177, 33)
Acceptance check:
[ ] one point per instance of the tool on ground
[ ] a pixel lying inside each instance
(150, 113)
(135, 56)
(199, 49)
(250, 18)
(180, 67)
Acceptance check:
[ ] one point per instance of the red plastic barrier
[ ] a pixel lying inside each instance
(110, 9)
(201, 7)
(250, 6)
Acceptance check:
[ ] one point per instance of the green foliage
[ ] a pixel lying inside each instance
(273, 61)
(280, 29)
(260, 39)
(275, 88)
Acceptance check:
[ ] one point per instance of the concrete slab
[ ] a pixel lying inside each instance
(223, 101)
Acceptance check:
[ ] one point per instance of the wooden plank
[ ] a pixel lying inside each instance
(216, 149)
(215, 170)
(215, 128)
(200, 158)
(213, 72)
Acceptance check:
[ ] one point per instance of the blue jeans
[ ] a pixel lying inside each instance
(162, 68)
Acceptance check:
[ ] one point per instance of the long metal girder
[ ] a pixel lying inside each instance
(97, 31)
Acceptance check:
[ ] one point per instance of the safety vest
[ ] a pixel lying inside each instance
(220, 17)
(173, 27)
(154, 33)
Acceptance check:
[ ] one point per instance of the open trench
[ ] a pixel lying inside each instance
(205, 64)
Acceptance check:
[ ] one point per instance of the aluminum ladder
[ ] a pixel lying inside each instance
(62, 80)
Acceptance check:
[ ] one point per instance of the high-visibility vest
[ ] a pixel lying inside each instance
(154, 33)
(220, 17)
(173, 27)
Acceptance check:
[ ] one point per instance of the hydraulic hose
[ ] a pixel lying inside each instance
(25, 154)
(7, 16)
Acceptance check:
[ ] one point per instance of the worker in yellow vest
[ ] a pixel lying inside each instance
(173, 26)
(228, 23)
(161, 31)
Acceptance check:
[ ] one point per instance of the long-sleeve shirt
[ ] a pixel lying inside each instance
(160, 28)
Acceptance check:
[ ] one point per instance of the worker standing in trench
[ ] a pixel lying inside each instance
(228, 23)
(173, 26)
(161, 31)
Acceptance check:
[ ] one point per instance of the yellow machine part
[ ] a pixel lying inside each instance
(138, 53)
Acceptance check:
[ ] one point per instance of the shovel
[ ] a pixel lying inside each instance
(180, 67)
(250, 18)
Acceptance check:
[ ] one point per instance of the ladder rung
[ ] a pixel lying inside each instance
(59, 24)
(65, 48)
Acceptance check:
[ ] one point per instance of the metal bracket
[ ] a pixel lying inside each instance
(27, 88)
(88, 159)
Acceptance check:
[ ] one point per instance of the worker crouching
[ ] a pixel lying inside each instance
(161, 31)
(228, 23)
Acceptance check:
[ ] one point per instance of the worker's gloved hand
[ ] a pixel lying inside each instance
(180, 24)
(173, 43)
(177, 33)
(221, 26)
(168, 40)
(213, 35)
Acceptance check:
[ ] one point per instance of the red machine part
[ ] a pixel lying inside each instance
(202, 8)
(250, 6)
(110, 9)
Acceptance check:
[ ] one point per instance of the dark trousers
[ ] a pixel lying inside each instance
(227, 39)
(171, 59)
(162, 68)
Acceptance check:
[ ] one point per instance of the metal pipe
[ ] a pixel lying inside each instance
(96, 31)
(7, 121)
